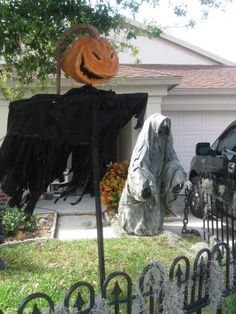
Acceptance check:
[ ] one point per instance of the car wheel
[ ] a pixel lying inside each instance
(196, 201)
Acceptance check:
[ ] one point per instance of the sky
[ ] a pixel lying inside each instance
(217, 34)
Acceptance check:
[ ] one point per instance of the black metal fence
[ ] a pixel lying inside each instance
(189, 287)
(219, 210)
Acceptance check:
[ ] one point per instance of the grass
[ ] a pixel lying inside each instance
(230, 304)
(53, 266)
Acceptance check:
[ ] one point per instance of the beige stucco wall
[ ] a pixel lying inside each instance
(161, 51)
(195, 100)
(3, 116)
(156, 91)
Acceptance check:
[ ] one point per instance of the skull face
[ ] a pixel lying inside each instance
(90, 60)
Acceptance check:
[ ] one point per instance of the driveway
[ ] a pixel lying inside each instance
(79, 221)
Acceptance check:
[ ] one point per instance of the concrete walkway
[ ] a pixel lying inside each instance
(79, 221)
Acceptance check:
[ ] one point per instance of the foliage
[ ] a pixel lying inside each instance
(11, 90)
(113, 183)
(229, 304)
(53, 266)
(14, 221)
(30, 29)
(179, 7)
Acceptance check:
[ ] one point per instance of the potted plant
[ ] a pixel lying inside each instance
(112, 185)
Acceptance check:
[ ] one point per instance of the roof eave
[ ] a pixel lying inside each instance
(169, 81)
(203, 91)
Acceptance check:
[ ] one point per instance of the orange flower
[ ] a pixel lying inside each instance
(113, 183)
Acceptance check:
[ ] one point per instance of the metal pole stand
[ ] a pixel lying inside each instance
(96, 181)
(94, 150)
(185, 229)
(2, 263)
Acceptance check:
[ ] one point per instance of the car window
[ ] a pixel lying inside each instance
(228, 141)
(214, 145)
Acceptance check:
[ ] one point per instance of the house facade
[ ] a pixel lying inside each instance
(194, 88)
(202, 104)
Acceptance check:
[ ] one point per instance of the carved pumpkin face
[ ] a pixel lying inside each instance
(90, 60)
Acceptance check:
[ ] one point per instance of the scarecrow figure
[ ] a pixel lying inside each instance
(154, 179)
(46, 129)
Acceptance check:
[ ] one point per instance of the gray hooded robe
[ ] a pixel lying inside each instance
(155, 177)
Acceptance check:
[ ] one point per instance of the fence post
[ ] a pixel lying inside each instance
(2, 207)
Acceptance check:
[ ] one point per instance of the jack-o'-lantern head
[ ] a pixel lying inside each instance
(90, 59)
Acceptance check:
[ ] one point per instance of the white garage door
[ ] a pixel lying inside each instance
(191, 127)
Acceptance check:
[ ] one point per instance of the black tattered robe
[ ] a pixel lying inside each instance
(44, 130)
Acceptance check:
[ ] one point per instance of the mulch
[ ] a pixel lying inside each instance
(43, 229)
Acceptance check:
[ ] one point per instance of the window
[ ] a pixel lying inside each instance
(228, 141)
(214, 145)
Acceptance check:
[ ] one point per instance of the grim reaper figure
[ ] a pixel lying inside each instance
(155, 178)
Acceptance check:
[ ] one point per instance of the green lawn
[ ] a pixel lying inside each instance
(53, 266)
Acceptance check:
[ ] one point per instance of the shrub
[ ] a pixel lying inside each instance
(113, 183)
(14, 220)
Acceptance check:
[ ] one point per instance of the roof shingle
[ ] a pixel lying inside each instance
(196, 76)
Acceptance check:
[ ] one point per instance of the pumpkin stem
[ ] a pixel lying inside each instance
(93, 32)
(90, 29)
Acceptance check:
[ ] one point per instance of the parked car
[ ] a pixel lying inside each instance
(217, 161)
